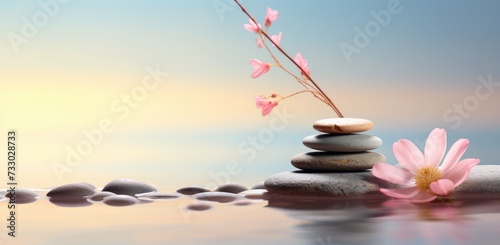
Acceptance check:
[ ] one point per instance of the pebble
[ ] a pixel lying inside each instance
(23, 195)
(71, 191)
(342, 142)
(121, 200)
(301, 183)
(342, 125)
(191, 190)
(255, 194)
(231, 188)
(199, 206)
(242, 203)
(73, 203)
(128, 187)
(157, 195)
(326, 161)
(259, 186)
(222, 197)
(99, 196)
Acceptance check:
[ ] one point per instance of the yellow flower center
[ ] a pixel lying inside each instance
(425, 176)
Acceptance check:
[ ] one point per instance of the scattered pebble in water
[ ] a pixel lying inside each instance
(222, 197)
(231, 188)
(259, 186)
(242, 203)
(191, 190)
(82, 202)
(198, 206)
(255, 194)
(71, 191)
(23, 196)
(128, 187)
(120, 200)
(157, 195)
(101, 195)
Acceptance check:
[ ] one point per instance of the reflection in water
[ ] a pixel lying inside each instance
(83, 202)
(274, 221)
(361, 221)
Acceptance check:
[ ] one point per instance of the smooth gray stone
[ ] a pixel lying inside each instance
(99, 196)
(128, 187)
(157, 195)
(22, 195)
(302, 183)
(259, 186)
(482, 179)
(191, 190)
(199, 206)
(222, 197)
(329, 161)
(342, 142)
(71, 191)
(255, 194)
(121, 200)
(231, 188)
(482, 182)
(242, 203)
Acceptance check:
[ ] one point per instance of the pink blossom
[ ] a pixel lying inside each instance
(424, 176)
(264, 104)
(259, 67)
(259, 42)
(302, 63)
(252, 27)
(276, 38)
(271, 16)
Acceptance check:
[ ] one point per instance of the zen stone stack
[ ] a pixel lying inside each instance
(340, 160)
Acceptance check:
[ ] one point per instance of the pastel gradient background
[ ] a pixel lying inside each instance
(196, 127)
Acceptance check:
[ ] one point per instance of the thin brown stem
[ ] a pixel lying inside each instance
(302, 82)
(330, 103)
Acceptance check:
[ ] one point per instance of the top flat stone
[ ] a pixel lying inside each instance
(342, 125)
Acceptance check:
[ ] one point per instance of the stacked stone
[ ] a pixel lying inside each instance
(340, 147)
(339, 164)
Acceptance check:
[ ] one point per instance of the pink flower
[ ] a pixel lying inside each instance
(276, 38)
(302, 63)
(271, 16)
(264, 104)
(422, 174)
(259, 42)
(259, 67)
(251, 26)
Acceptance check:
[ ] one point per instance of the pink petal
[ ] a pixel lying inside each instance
(392, 174)
(302, 63)
(260, 67)
(271, 16)
(251, 27)
(442, 187)
(268, 108)
(454, 154)
(259, 43)
(255, 63)
(423, 197)
(408, 155)
(435, 147)
(460, 171)
(260, 101)
(407, 192)
(276, 39)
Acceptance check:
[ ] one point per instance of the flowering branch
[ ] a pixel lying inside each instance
(255, 27)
